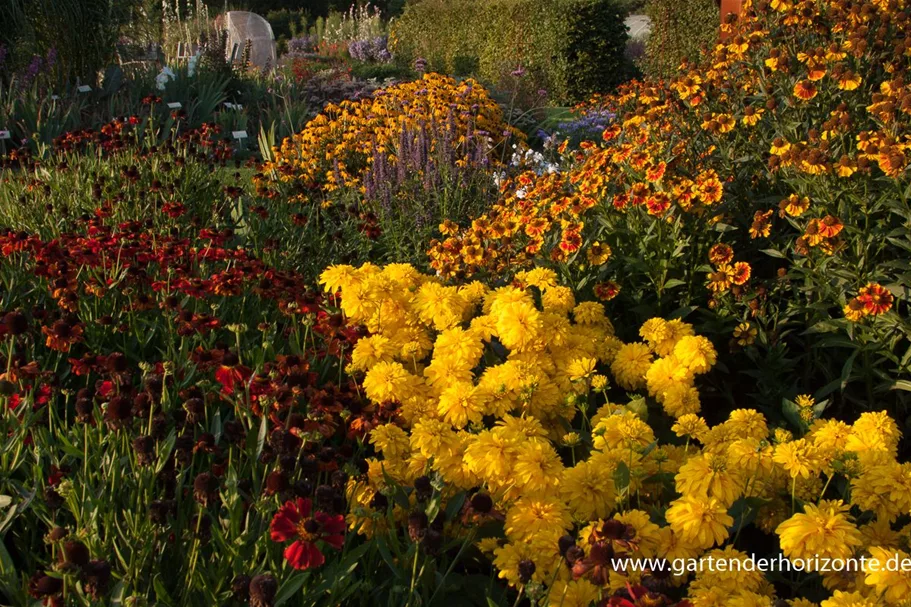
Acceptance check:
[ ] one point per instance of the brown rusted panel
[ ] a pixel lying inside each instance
(727, 7)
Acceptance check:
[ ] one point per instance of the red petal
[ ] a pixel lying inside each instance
(336, 541)
(297, 555)
(284, 523)
(331, 524)
(304, 555)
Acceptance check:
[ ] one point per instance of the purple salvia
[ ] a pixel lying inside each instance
(31, 72)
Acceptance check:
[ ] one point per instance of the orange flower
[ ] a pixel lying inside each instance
(805, 89)
(721, 279)
(710, 190)
(658, 204)
(598, 254)
(656, 172)
(606, 291)
(875, 298)
(794, 205)
(830, 226)
(62, 335)
(721, 253)
(849, 81)
(742, 272)
(854, 310)
(762, 224)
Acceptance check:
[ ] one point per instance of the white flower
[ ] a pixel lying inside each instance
(191, 64)
(162, 79)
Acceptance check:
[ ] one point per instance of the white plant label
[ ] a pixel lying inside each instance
(4, 134)
(84, 89)
(175, 105)
(239, 134)
(55, 97)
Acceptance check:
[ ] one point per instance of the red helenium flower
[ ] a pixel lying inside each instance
(294, 523)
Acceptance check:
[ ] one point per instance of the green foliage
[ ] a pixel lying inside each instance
(569, 48)
(380, 71)
(680, 28)
(597, 41)
(83, 33)
(287, 24)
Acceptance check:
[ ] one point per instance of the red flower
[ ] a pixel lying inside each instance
(294, 523)
(875, 298)
(231, 376)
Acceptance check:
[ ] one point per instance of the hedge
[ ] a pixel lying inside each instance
(680, 29)
(570, 48)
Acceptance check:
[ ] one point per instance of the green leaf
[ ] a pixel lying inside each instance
(161, 594)
(387, 556)
(261, 436)
(7, 567)
(621, 476)
(847, 368)
(774, 253)
(291, 587)
(902, 384)
(455, 505)
(117, 594)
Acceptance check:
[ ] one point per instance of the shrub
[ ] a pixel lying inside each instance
(568, 48)
(597, 39)
(680, 29)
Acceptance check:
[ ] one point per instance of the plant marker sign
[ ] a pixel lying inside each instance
(239, 135)
(84, 89)
(175, 105)
(4, 134)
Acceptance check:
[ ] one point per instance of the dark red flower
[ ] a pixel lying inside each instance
(294, 523)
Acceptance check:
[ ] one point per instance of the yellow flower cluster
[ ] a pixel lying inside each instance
(502, 393)
(336, 146)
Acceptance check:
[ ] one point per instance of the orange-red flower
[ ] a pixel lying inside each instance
(741, 273)
(62, 335)
(805, 89)
(721, 253)
(295, 522)
(830, 226)
(606, 291)
(875, 298)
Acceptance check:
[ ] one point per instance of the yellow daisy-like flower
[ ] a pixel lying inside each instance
(588, 489)
(630, 365)
(893, 583)
(537, 520)
(573, 593)
(389, 381)
(798, 458)
(691, 426)
(696, 353)
(825, 530)
(702, 521)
